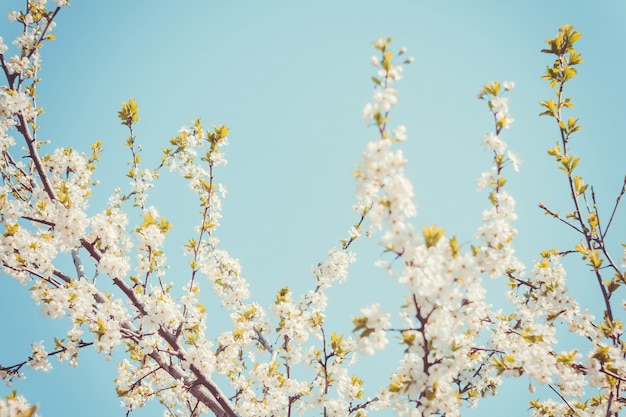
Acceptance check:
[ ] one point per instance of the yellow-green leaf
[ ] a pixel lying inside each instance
(432, 235)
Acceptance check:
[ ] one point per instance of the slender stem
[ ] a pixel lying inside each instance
(30, 140)
(557, 216)
(563, 399)
(14, 369)
(617, 201)
(573, 193)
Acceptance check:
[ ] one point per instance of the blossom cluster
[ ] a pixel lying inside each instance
(16, 406)
(445, 309)
(496, 232)
(383, 191)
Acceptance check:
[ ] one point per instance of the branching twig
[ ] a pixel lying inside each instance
(557, 216)
(617, 201)
(14, 369)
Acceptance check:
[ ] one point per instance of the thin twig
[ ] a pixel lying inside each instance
(617, 201)
(563, 398)
(557, 216)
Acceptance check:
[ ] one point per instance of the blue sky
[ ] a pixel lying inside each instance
(290, 80)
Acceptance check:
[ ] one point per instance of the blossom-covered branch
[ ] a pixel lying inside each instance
(286, 358)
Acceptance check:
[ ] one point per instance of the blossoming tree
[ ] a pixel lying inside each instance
(282, 360)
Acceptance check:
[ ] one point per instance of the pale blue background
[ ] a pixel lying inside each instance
(290, 80)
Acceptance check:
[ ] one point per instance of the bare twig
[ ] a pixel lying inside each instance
(557, 216)
(563, 399)
(617, 201)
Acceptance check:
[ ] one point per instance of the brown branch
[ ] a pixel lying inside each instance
(563, 399)
(573, 192)
(521, 282)
(617, 201)
(214, 398)
(557, 216)
(10, 77)
(362, 406)
(14, 369)
(45, 30)
(63, 276)
(612, 374)
(22, 127)
(32, 219)
(489, 350)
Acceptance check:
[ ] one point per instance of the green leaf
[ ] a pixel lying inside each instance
(550, 106)
(579, 186)
(575, 58)
(129, 113)
(574, 37)
(10, 229)
(569, 73)
(282, 296)
(336, 343)
(454, 247)
(493, 88)
(531, 338)
(432, 235)
(555, 151)
(359, 323)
